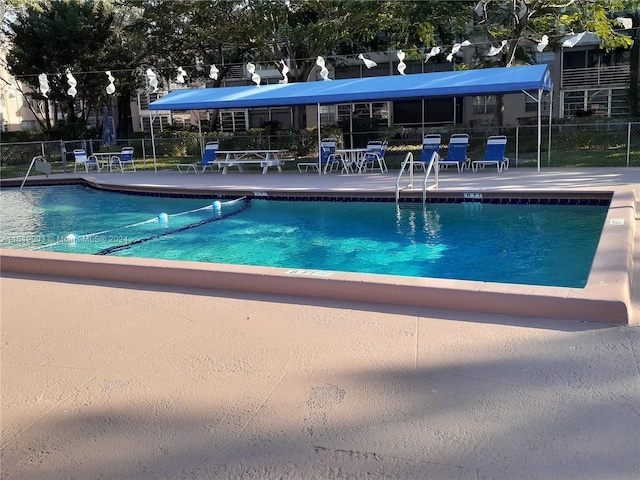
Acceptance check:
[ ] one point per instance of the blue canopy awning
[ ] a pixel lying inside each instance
(488, 81)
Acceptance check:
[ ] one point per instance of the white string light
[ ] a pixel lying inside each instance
(456, 47)
(180, 76)
(72, 92)
(44, 84)
(542, 44)
(255, 78)
(401, 65)
(324, 72)
(213, 72)
(367, 62)
(493, 51)
(111, 88)
(152, 79)
(432, 53)
(285, 70)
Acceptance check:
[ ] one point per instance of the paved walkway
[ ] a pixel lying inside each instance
(121, 381)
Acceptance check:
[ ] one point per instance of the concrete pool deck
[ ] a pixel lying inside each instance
(116, 380)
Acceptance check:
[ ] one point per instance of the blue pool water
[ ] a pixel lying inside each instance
(527, 244)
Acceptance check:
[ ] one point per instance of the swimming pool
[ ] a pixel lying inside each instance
(521, 244)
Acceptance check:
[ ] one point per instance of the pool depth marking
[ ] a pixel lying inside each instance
(310, 273)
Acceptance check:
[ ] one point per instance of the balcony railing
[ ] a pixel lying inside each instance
(596, 76)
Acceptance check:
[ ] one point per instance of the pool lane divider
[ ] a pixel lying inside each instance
(246, 204)
(162, 217)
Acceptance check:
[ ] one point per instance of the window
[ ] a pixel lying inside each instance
(619, 102)
(603, 102)
(484, 104)
(363, 110)
(531, 103)
(573, 102)
(144, 99)
(232, 120)
(328, 114)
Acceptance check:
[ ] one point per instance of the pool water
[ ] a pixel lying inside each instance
(527, 244)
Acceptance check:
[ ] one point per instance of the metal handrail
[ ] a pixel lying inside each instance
(408, 160)
(434, 164)
(42, 166)
(435, 160)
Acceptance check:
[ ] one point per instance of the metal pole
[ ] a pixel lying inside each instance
(629, 144)
(550, 117)
(153, 143)
(319, 143)
(539, 124)
(517, 143)
(200, 134)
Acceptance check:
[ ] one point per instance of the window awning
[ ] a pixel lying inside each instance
(488, 81)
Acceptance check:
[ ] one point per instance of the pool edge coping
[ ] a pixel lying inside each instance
(605, 299)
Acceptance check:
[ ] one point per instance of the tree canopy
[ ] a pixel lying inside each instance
(89, 37)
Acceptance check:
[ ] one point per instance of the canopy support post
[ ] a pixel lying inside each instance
(153, 143)
(200, 133)
(550, 117)
(319, 143)
(539, 124)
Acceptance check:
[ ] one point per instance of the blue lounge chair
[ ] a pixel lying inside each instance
(329, 160)
(125, 157)
(493, 154)
(430, 145)
(81, 158)
(457, 152)
(374, 154)
(208, 160)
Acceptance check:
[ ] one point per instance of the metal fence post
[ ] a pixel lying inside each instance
(63, 154)
(517, 142)
(629, 144)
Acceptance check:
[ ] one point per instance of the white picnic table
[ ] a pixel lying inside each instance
(239, 158)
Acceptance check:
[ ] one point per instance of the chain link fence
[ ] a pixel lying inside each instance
(562, 145)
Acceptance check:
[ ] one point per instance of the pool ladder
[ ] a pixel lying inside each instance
(41, 165)
(434, 165)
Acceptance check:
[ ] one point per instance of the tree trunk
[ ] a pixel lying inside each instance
(125, 121)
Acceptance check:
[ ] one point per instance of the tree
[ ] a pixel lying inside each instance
(522, 23)
(60, 37)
